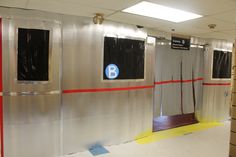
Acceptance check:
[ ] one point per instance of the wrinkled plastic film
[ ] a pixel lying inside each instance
(33, 55)
(221, 64)
(127, 55)
(216, 91)
(179, 69)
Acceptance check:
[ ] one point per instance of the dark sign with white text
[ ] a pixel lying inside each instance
(180, 43)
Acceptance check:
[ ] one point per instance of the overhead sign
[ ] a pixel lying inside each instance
(180, 43)
(112, 71)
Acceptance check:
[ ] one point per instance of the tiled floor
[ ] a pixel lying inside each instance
(213, 142)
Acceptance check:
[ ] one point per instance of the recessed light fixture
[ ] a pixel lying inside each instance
(161, 12)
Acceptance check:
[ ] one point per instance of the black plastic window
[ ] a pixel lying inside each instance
(222, 64)
(127, 55)
(33, 55)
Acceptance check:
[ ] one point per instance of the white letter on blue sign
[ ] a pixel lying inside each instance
(112, 71)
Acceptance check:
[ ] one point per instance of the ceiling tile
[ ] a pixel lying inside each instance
(203, 23)
(204, 7)
(217, 35)
(190, 27)
(65, 8)
(222, 13)
(229, 16)
(105, 4)
(14, 3)
(230, 31)
(181, 29)
(137, 20)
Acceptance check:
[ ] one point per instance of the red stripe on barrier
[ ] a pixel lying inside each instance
(164, 82)
(194, 80)
(1, 101)
(106, 89)
(216, 84)
(178, 81)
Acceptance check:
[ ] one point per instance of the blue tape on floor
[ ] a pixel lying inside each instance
(98, 150)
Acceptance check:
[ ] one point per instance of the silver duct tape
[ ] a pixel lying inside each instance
(30, 93)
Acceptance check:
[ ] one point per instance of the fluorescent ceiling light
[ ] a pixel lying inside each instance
(161, 12)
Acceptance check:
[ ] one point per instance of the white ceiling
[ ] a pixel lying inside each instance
(219, 12)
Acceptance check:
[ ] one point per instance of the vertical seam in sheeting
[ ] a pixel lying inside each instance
(1, 98)
(181, 87)
(61, 99)
(194, 96)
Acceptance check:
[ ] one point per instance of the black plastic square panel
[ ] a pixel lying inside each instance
(221, 64)
(127, 55)
(33, 55)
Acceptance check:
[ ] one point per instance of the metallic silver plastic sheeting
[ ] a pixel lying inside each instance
(32, 110)
(192, 70)
(41, 122)
(216, 99)
(168, 67)
(109, 117)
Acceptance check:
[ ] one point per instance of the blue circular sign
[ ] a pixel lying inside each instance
(112, 71)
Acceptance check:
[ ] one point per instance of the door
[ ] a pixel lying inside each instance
(178, 86)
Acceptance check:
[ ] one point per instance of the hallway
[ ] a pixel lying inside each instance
(211, 142)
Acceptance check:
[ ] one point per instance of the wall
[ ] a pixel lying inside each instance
(76, 108)
(100, 117)
(216, 92)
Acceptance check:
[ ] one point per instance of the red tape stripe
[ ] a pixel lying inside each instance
(1, 101)
(216, 84)
(106, 89)
(127, 88)
(164, 82)
(178, 81)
